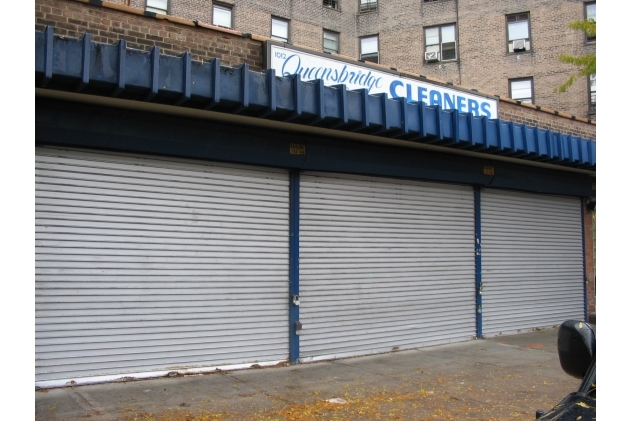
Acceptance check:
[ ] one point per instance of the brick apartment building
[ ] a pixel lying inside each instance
(472, 39)
(197, 210)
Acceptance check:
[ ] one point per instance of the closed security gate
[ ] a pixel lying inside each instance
(532, 261)
(384, 264)
(147, 264)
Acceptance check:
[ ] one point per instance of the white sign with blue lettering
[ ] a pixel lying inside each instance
(287, 62)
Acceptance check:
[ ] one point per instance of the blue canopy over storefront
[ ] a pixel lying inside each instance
(81, 65)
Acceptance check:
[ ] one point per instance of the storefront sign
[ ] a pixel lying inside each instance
(309, 66)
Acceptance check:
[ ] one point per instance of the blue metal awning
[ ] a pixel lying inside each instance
(84, 66)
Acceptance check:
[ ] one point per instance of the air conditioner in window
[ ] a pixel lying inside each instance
(519, 45)
(431, 56)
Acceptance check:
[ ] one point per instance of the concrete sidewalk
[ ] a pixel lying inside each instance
(503, 378)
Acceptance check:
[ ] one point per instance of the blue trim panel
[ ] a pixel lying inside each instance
(294, 263)
(90, 126)
(585, 303)
(85, 62)
(131, 74)
(478, 261)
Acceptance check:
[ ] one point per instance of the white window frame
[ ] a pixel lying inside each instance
(368, 6)
(516, 24)
(278, 36)
(221, 8)
(369, 55)
(157, 6)
(332, 36)
(530, 99)
(439, 46)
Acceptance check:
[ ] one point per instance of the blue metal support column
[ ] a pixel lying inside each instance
(478, 262)
(585, 303)
(294, 265)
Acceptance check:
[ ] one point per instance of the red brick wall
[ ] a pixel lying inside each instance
(546, 119)
(590, 271)
(173, 35)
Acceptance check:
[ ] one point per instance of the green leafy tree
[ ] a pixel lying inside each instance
(587, 62)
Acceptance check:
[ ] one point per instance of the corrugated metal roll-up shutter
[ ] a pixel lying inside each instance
(532, 261)
(147, 263)
(384, 264)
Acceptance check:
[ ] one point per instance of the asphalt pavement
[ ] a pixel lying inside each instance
(502, 378)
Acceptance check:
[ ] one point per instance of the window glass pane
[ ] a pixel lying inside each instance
(157, 6)
(367, 5)
(518, 30)
(449, 51)
(280, 29)
(330, 45)
(222, 16)
(330, 42)
(330, 36)
(592, 95)
(448, 34)
(369, 45)
(522, 90)
(431, 36)
(590, 11)
(432, 48)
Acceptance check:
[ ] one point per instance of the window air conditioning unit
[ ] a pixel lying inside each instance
(519, 45)
(431, 56)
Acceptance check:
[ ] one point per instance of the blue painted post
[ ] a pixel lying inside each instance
(478, 262)
(294, 262)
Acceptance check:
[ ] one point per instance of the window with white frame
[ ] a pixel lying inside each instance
(369, 49)
(330, 42)
(331, 4)
(367, 5)
(590, 13)
(592, 95)
(280, 29)
(157, 6)
(440, 43)
(518, 32)
(521, 89)
(222, 15)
